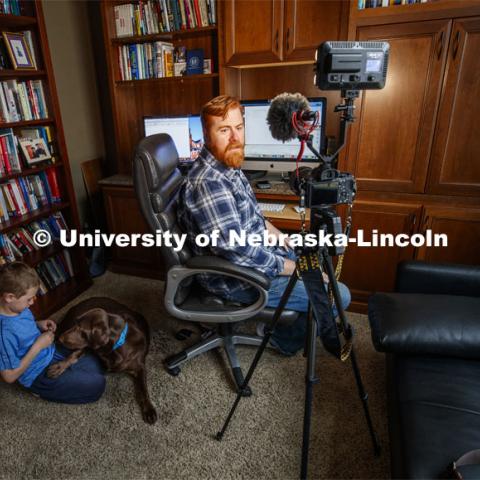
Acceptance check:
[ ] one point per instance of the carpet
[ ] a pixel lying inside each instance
(108, 439)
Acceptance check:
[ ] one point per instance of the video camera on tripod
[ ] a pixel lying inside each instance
(345, 66)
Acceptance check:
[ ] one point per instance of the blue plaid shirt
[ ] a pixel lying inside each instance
(216, 197)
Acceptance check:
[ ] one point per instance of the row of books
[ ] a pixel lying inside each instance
(386, 3)
(146, 60)
(54, 271)
(19, 242)
(22, 195)
(22, 101)
(158, 16)
(14, 151)
(10, 6)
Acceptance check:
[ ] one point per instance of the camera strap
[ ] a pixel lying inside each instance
(310, 272)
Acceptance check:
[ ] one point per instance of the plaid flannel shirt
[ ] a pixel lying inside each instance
(216, 197)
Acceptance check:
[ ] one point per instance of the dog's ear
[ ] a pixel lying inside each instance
(95, 326)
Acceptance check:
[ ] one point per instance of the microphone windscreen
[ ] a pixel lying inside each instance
(279, 116)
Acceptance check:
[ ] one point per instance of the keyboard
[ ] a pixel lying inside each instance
(271, 207)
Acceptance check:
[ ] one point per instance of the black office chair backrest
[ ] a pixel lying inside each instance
(157, 182)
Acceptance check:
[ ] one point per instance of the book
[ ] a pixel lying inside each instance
(195, 61)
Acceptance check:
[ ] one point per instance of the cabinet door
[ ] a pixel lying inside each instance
(391, 139)
(461, 226)
(370, 269)
(253, 31)
(455, 164)
(124, 216)
(309, 23)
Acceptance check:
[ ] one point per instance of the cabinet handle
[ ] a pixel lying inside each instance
(413, 221)
(276, 41)
(440, 45)
(456, 43)
(288, 39)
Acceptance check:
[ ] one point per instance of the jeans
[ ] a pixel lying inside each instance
(289, 339)
(82, 382)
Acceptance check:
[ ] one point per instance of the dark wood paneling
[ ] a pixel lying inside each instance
(391, 141)
(370, 269)
(462, 227)
(253, 31)
(455, 164)
(124, 216)
(309, 23)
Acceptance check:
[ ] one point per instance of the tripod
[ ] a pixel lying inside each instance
(311, 262)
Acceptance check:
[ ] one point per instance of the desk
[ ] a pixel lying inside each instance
(288, 218)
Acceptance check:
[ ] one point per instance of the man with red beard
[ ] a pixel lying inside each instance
(216, 196)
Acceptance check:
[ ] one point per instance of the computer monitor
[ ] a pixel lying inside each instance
(264, 153)
(186, 132)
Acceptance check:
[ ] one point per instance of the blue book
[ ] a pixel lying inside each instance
(195, 61)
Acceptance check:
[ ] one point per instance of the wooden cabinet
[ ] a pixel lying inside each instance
(455, 164)
(390, 142)
(124, 216)
(370, 269)
(461, 226)
(253, 31)
(271, 31)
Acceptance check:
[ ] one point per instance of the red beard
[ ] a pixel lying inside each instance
(232, 156)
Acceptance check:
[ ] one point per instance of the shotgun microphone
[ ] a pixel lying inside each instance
(281, 112)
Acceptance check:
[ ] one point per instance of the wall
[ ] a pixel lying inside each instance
(73, 65)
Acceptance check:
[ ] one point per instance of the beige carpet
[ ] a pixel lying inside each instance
(108, 439)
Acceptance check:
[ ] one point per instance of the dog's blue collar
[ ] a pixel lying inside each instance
(121, 338)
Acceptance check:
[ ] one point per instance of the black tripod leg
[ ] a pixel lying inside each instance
(310, 381)
(259, 353)
(327, 262)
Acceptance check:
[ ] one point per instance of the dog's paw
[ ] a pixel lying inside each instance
(55, 370)
(150, 415)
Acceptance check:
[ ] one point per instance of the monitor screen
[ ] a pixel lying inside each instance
(260, 146)
(185, 131)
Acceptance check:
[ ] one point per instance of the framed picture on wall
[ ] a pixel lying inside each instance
(18, 51)
(34, 150)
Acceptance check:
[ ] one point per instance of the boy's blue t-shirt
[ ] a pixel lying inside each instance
(17, 334)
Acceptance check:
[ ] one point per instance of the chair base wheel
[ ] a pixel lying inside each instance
(174, 372)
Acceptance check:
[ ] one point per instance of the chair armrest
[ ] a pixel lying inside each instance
(211, 264)
(418, 324)
(220, 265)
(440, 279)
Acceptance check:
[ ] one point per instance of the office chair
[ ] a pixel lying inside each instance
(157, 182)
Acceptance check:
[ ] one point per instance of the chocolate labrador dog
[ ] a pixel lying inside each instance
(119, 336)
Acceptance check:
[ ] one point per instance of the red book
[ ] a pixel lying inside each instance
(53, 183)
(5, 160)
(197, 13)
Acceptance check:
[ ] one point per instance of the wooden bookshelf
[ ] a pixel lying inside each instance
(131, 100)
(33, 21)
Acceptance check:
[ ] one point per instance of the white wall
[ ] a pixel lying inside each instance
(74, 70)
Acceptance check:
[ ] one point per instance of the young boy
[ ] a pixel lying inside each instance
(27, 347)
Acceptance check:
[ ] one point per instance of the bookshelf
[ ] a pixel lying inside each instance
(131, 100)
(72, 277)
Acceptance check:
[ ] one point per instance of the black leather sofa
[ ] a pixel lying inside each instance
(430, 331)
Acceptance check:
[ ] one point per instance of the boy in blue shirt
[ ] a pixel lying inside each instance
(27, 347)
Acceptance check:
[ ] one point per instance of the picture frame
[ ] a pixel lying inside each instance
(34, 150)
(18, 51)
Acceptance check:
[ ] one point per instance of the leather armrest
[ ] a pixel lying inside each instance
(417, 324)
(211, 262)
(440, 279)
